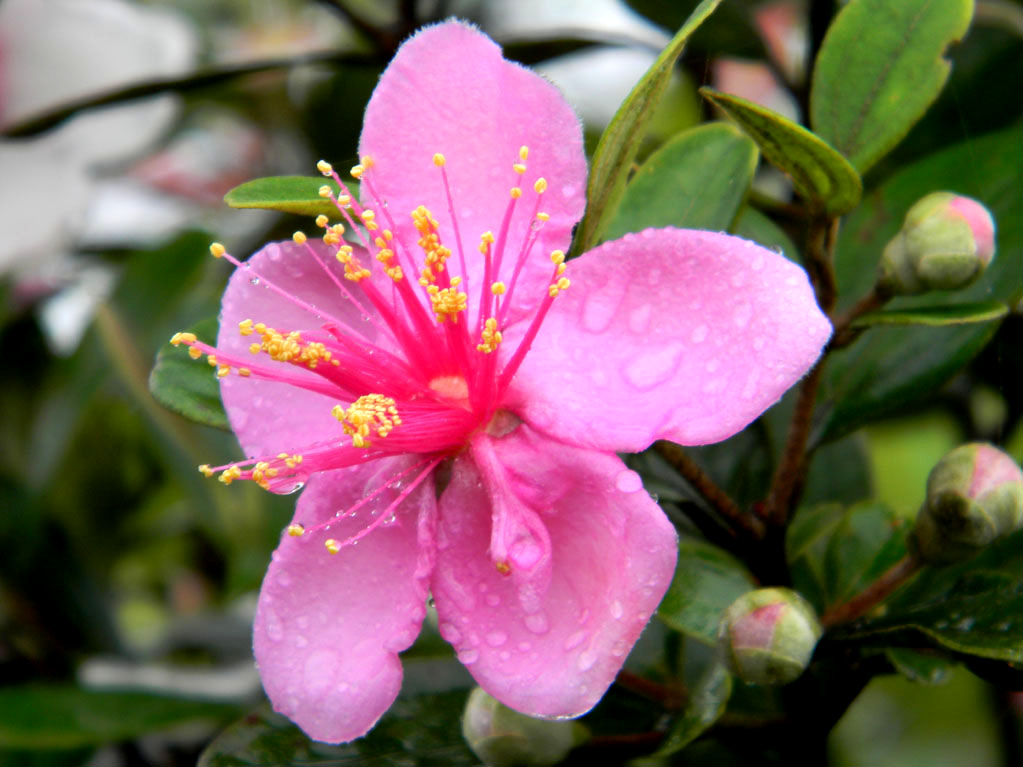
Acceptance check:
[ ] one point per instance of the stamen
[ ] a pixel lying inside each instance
(370, 412)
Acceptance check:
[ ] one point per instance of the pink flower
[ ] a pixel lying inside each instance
(439, 458)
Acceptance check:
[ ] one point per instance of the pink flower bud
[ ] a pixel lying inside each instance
(945, 243)
(769, 635)
(974, 495)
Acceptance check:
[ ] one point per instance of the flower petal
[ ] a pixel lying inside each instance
(268, 416)
(450, 84)
(329, 627)
(612, 557)
(669, 334)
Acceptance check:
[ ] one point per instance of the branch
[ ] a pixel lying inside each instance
(874, 594)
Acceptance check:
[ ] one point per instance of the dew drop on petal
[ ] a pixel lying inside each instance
(493, 600)
(274, 629)
(639, 318)
(537, 623)
(468, 656)
(575, 640)
(617, 610)
(496, 638)
(655, 366)
(450, 632)
(301, 641)
(628, 481)
(586, 660)
(699, 334)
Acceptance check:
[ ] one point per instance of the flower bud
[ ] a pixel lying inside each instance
(769, 635)
(945, 243)
(502, 737)
(974, 495)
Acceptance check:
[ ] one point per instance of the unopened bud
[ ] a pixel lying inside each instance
(769, 635)
(974, 495)
(502, 737)
(946, 242)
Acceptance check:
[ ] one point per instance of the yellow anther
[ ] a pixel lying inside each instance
(321, 221)
(230, 474)
(388, 235)
(299, 238)
(503, 567)
(370, 412)
(194, 352)
(561, 269)
(516, 192)
(447, 302)
(367, 215)
(332, 546)
(245, 327)
(491, 337)
(519, 168)
(326, 191)
(541, 216)
(344, 200)
(523, 153)
(558, 286)
(223, 370)
(439, 160)
(367, 161)
(183, 338)
(255, 348)
(380, 242)
(324, 167)
(217, 250)
(295, 530)
(486, 240)
(557, 257)
(540, 186)
(357, 171)
(498, 288)
(205, 470)
(244, 372)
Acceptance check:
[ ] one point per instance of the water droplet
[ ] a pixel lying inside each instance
(758, 343)
(301, 641)
(965, 624)
(496, 638)
(639, 318)
(617, 610)
(699, 334)
(525, 646)
(586, 660)
(537, 623)
(319, 671)
(714, 385)
(493, 600)
(284, 579)
(302, 621)
(450, 632)
(468, 656)
(751, 384)
(505, 655)
(291, 704)
(738, 279)
(743, 314)
(758, 262)
(599, 377)
(654, 366)
(619, 648)
(569, 190)
(575, 640)
(628, 481)
(273, 626)
(713, 365)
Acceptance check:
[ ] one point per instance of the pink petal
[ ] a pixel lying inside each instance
(449, 90)
(669, 334)
(612, 557)
(267, 416)
(329, 627)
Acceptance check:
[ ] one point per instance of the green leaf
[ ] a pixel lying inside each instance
(289, 194)
(706, 704)
(619, 144)
(899, 366)
(878, 70)
(937, 316)
(416, 732)
(754, 225)
(820, 174)
(64, 716)
(974, 607)
(706, 581)
(835, 552)
(920, 667)
(697, 180)
(186, 386)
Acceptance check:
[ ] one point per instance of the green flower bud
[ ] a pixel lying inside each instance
(946, 242)
(974, 495)
(502, 737)
(769, 635)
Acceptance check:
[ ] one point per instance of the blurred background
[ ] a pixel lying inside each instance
(122, 570)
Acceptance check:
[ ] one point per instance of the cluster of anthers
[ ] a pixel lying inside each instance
(435, 378)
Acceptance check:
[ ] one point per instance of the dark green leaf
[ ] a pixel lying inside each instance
(835, 553)
(706, 581)
(754, 225)
(894, 367)
(706, 704)
(63, 716)
(974, 608)
(289, 194)
(697, 180)
(186, 386)
(418, 732)
(920, 667)
(879, 69)
(821, 175)
(620, 142)
(936, 316)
